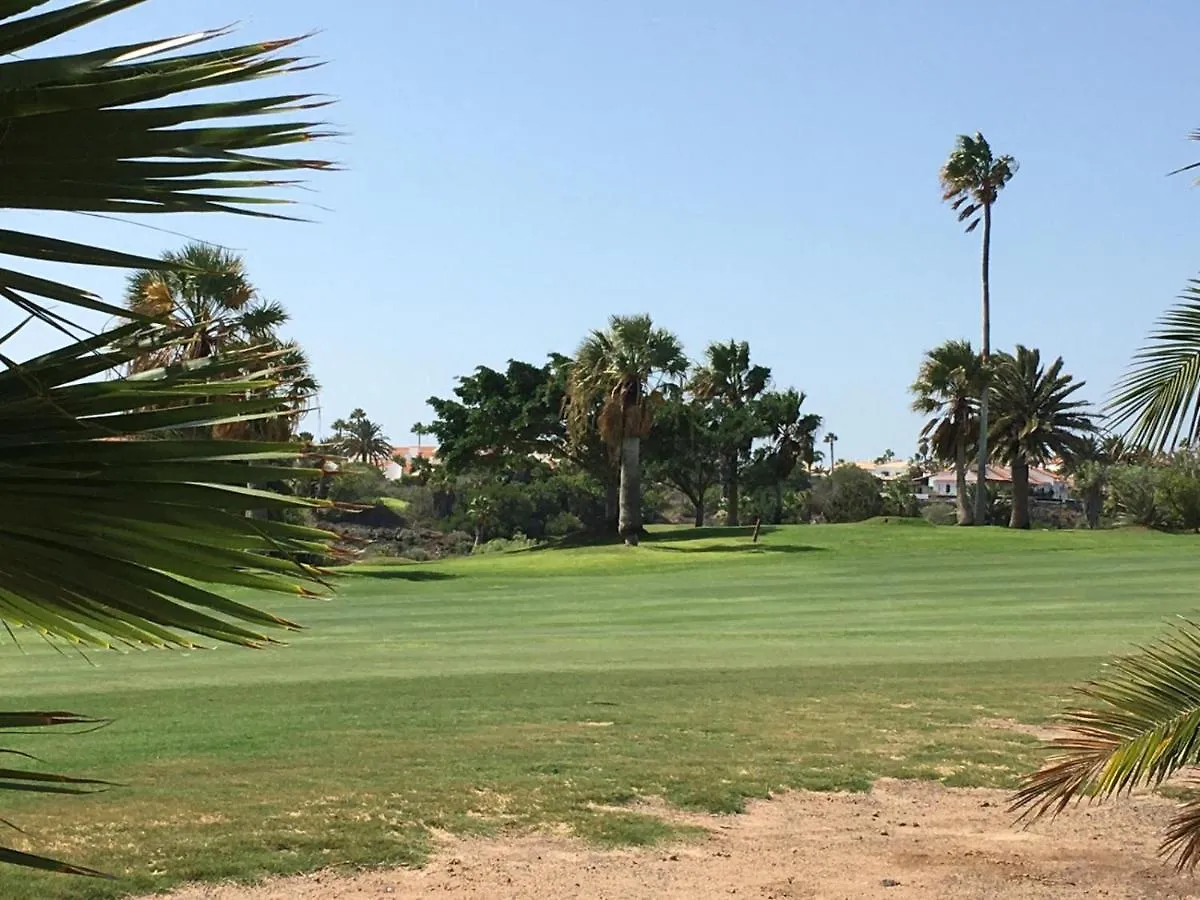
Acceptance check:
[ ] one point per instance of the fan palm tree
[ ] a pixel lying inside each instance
(972, 178)
(1036, 419)
(831, 439)
(420, 429)
(793, 437)
(365, 440)
(623, 370)
(948, 387)
(732, 384)
(103, 538)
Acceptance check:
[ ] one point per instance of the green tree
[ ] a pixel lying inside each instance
(623, 369)
(948, 387)
(365, 441)
(732, 384)
(683, 450)
(848, 494)
(792, 437)
(420, 429)
(972, 178)
(1036, 418)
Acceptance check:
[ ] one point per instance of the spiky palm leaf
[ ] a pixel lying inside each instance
(88, 132)
(948, 386)
(113, 534)
(1141, 727)
(1157, 403)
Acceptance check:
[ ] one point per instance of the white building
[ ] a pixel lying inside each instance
(1042, 482)
(885, 471)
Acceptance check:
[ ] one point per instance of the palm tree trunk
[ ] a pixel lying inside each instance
(732, 489)
(961, 501)
(1020, 498)
(777, 519)
(981, 491)
(630, 522)
(612, 504)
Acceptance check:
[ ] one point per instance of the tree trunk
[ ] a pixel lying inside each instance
(612, 506)
(699, 518)
(732, 490)
(777, 519)
(630, 522)
(1020, 498)
(986, 354)
(962, 503)
(1093, 500)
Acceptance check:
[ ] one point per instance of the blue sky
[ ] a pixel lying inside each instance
(516, 171)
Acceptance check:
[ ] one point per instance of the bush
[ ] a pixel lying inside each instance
(849, 494)
(562, 524)
(1134, 495)
(504, 545)
(940, 513)
(1178, 494)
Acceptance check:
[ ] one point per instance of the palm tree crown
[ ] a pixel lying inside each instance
(364, 440)
(1036, 417)
(623, 368)
(973, 177)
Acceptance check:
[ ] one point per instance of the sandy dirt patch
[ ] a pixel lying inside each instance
(903, 840)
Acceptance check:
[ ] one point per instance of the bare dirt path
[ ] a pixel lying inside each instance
(902, 841)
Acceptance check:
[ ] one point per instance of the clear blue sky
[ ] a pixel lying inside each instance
(765, 170)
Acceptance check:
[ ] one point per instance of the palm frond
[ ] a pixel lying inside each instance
(136, 158)
(1142, 726)
(1157, 403)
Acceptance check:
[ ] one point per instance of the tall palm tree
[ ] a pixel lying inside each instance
(793, 436)
(623, 369)
(831, 439)
(103, 538)
(1036, 419)
(972, 178)
(948, 387)
(732, 383)
(365, 441)
(420, 429)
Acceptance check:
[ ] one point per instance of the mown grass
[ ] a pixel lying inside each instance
(558, 686)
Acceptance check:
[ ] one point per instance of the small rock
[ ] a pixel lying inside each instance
(884, 833)
(890, 882)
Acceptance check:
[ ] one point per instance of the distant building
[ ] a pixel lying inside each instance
(1042, 482)
(886, 471)
(402, 459)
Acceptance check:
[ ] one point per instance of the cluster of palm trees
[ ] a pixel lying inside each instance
(360, 439)
(1035, 417)
(623, 374)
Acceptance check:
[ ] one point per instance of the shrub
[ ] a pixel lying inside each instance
(939, 513)
(849, 494)
(1134, 495)
(563, 523)
(1178, 493)
(504, 545)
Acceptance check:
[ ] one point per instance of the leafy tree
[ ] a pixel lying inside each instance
(1133, 495)
(948, 387)
(683, 450)
(887, 456)
(848, 494)
(623, 370)
(899, 499)
(972, 178)
(732, 384)
(1036, 418)
(792, 437)
(506, 424)
(365, 441)
(1179, 490)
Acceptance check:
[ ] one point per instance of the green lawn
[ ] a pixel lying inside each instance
(549, 686)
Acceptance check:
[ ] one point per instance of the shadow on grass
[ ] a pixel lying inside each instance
(405, 574)
(738, 548)
(680, 535)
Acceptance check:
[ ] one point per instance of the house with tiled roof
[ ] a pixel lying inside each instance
(1042, 482)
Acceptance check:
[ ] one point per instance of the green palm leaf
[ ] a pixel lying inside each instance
(1158, 400)
(136, 158)
(1142, 727)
